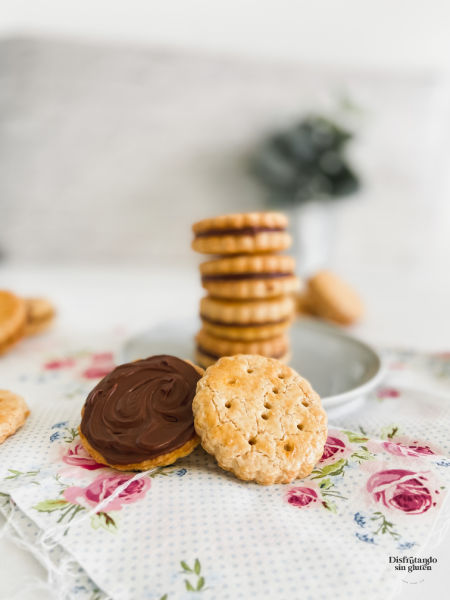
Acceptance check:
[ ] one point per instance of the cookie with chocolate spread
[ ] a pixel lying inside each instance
(252, 276)
(40, 315)
(140, 415)
(244, 233)
(260, 419)
(210, 348)
(246, 320)
(12, 319)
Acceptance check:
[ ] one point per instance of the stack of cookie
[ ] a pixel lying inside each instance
(249, 306)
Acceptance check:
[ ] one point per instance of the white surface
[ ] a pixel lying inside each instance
(91, 299)
(381, 33)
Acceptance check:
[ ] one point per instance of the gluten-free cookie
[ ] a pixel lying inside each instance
(140, 415)
(13, 413)
(243, 233)
(246, 319)
(253, 276)
(40, 315)
(12, 319)
(260, 419)
(210, 348)
(331, 298)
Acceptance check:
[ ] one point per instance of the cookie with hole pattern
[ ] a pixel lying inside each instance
(253, 276)
(210, 348)
(246, 320)
(243, 233)
(333, 299)
(260, 419)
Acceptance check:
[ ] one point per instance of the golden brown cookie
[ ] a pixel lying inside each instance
(243, 233)
(260, 419)
(210, 348)
(247, 319)
(40, 314)
(12, 319)
(253, 276)
(13, 413)
(303, 303)
(140, 415)
(333, 299)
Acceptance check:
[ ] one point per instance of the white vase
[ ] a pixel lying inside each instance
(313, 227)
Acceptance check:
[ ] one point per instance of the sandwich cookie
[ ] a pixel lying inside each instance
(254, 276)
(210, 348)
(247, 319)
(40, 314)
(331, 298)
(260, 419)
(12, 319)
(244, 233)
(140, 415)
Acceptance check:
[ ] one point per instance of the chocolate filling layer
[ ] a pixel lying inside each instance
(243, 276)
(141, 410)
(234, 324)
(217, 356)
(236, 231)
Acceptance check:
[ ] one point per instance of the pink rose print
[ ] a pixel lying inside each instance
(101, 364)
(103, 486)
(333, 446)
(54, 365)
(301, 496)
(401, 490)
(413, 449)
(388, 393)
(78, 457)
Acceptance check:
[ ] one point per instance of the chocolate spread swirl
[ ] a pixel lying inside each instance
(141, 410)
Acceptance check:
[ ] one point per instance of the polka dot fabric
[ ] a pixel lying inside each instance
(192, 530)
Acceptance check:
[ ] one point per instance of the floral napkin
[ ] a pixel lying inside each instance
(192, 530)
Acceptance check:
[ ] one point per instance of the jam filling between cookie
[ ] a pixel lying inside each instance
(141, 410)
(210, 354)
(237, 231)
(243, 276)
(249, 324)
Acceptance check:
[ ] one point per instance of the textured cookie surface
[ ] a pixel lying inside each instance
(253, 276)
(260, 419)
(12, 319)
(241, 233)
(333, 299)
(13, 413)
(140, 415)
(217, 347)
(40, 314)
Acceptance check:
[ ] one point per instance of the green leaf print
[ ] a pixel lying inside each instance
(189, 586)
(200, 583)
(355, 438)
(185, 567)
(334, 469)
(384, 526)
(50, 505)
(197, 567)
(104, 520)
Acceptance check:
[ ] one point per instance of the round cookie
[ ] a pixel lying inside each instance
(243, 233)
(140, 415)
(253, 276)
(333, 299)
(210, 348)
(40, 314)
(246, 320)
(12, 319)
(260, 419)
(13, 413)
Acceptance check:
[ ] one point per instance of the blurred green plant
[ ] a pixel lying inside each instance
(306, 162)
